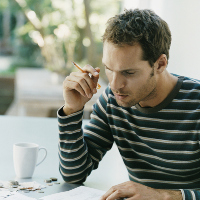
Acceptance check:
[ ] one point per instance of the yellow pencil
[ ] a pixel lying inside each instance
(77, 66)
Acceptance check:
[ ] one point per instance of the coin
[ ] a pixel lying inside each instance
(14, 183)
(54, 179)
(57, 183)
(47, 180)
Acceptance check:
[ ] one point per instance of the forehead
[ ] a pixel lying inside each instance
(120, 56)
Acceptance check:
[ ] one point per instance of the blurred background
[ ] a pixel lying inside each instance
(40, 39)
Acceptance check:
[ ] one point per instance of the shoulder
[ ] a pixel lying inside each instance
(190, 89)
(190, 85)
(191, 81)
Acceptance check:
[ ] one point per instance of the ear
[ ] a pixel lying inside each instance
(161, 63)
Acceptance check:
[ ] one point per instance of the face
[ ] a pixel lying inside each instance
(131, 79)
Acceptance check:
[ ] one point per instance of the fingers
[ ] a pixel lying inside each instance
(123, 190)
(94, 74)
(113, 194)
(82, 83)
(72, 85)
(89, 69)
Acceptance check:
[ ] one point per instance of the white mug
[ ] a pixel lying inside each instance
(25, 158)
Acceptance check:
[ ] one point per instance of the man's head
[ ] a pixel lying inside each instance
(135, 53)
(143, 27)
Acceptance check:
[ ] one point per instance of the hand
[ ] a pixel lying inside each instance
(78, 89)
(135, 191)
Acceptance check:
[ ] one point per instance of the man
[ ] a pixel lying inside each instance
(151, 115)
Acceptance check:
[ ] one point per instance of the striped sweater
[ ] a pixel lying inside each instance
(159, 146)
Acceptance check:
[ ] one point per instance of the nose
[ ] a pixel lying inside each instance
(117, 82)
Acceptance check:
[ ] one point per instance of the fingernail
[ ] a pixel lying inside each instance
(94, 90)
(90, 95)
(96, 73)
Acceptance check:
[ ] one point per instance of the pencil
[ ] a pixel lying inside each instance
(77, 66)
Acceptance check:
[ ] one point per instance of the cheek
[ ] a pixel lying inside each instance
(134, 85)
(108, 74)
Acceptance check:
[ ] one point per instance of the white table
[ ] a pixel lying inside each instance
(44, 131)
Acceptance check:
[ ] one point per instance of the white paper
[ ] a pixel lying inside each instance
(82, 192)
(7, 195)
(18, 196)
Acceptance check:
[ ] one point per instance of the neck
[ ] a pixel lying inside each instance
(165, 83)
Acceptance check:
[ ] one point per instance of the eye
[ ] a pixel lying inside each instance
(107, 68)
(127, 73)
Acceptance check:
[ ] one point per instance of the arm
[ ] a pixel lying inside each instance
(190, 194)
(80, 152)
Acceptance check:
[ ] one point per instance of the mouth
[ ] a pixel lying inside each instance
(120, 96)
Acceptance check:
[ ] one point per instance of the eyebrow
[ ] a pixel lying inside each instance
(124, 70)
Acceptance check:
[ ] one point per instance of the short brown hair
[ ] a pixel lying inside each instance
(143, 27)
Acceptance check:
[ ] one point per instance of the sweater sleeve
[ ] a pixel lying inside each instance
(190, 194)
(81, 150)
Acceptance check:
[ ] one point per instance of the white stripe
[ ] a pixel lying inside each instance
(177, 111)
(154, 139)
(105, 95)
(146, 118)
(92, 143)
(97, 136)
(164, 160)
(71, 141)
(75, 174)
(181, 111)
(73, 167)
(97, 160)
(98, 119)
(189, 91)
(153, 149)
(158, 172)
(70, 123)
(193, 195)
(97, 127)
(101, 107)
(68, 116)
(72, 159)
(70, 150)
(162, 181)
(192, 81)
(158, 167)
(187, 100)
(183, 194)
(69, 132)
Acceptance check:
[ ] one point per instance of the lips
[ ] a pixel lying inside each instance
(120, 96)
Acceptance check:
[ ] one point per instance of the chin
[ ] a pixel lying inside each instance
(126, 104)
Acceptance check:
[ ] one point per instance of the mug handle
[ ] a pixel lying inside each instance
(44, 155)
